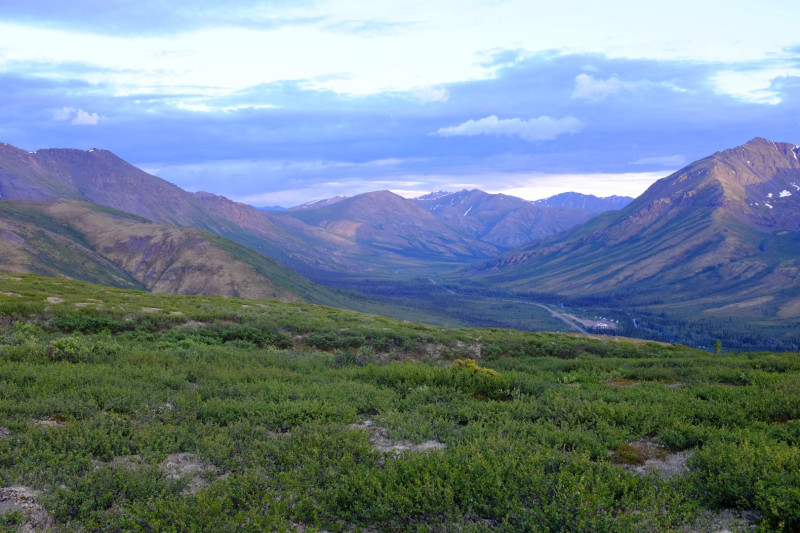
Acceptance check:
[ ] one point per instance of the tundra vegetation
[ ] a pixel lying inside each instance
(128, 411)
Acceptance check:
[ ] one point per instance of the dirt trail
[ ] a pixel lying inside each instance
(569, 320)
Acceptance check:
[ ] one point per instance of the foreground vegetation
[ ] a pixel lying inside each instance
(132, 411)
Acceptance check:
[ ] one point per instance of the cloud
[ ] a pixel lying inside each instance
(543, 128)
(63, 114)
(82, 118)
(538, 186)
(587, 87)
(754, 86)
(666, 161)
(431, 94)
(77, 117)
(526, 185)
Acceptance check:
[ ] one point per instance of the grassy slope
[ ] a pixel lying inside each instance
(266, 394)
(94, 243)
(35, 241)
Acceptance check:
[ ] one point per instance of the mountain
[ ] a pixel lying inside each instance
(81, 240)
(588, 202)
(507, 221)
(318, 203)
(382, 222)
(721, 235)
(373, 234)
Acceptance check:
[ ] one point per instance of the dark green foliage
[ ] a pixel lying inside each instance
(86, 322)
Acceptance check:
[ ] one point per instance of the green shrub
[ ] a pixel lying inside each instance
(73, 349)
(751, 475)
(87, 322)
(12, 519)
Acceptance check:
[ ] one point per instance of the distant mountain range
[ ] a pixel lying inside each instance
(508, 222)
(376, 233)
(719, 236)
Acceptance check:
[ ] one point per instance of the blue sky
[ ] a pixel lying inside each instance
(279, 103)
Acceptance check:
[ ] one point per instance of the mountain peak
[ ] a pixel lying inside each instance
(758, 141)
(721, 233)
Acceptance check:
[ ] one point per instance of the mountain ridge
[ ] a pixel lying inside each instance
(507, 221)
(702, 234)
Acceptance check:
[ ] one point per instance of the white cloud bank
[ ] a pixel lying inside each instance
(755, 86)
(76, 117)
(529, 186)
(407, 45)
(543, 128)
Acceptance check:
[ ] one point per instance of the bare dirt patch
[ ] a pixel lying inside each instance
(623, 383)
(380, 440)
(182, 465)
(644, 455)
(194, 324)
(4, 432)
(726, 521)
(53, 421)
(12, 294)
(54, 300)
(24, 500)
(151, 309)
(125, 462)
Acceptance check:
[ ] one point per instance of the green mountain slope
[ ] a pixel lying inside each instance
(720, 235)
(81, 240)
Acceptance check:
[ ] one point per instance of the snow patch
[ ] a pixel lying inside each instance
(769, 195)
(766, 204)
(796, 186)
(470, 209)
(785, 193)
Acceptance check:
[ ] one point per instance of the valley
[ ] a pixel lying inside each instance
(707, 254)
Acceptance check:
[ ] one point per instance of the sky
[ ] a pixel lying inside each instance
(284, 102)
